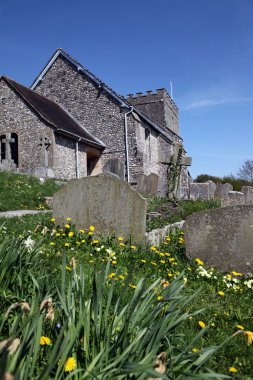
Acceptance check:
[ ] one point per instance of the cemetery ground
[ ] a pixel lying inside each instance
(79, 305)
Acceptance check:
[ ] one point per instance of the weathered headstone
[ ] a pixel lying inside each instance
(248, 193)
(148, 183)
(222, 238)
(233, 198)
(199, 191)
(115, 166)
(222, 190)
(8, 163)
(104, 201)
(44, 170)
(212, 188)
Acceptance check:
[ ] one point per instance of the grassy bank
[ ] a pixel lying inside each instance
(20, 192)
(56, 259)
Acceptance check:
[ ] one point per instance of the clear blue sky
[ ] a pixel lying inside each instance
(204, 46)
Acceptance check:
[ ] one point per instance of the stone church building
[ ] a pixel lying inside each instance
(70, 124)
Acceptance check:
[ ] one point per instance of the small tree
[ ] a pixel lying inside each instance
(246, 171)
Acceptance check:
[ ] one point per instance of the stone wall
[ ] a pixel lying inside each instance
(158, 106)
(100, 114)
(17, 117)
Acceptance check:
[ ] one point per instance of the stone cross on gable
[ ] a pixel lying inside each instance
(7, 141)
(44, 143)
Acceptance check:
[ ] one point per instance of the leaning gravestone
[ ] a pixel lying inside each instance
(248, 193)
(222, 238)
(104, 201)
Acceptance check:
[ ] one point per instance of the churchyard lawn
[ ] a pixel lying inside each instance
(112, 305)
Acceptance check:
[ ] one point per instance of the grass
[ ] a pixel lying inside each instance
(216, 299)
(20, 192)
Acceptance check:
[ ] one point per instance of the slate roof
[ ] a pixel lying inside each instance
(122, 101)
(53, 113)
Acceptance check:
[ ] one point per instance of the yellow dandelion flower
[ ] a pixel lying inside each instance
(236, 273)
(68, 268)
(153, 248)
(143, 261)
(57, 234)
(249, 337)
(201, 324)
(122, 244)
(66, 244)
(92, 228)
(199, 262)
(240, 327)
(133, 247)
(159, 298)
(121, 277)
(232, 369)
(195, 349)
(168, 238)
(189, 269)
(90, 233)
(162, 261)
(167, 254)
(153, 263)
(71, 234)
(70, 364)
(68, 219)
(133, 286)
(221, 293)
(170, 275)
(83, 241)
(120, 238)
(45, 341)
(162, 254)
(111, 275)
(52, 243)
(67, 225)
(229, 275)
(82, 231)
(114, 262)
(52, 219)
(171, 259)
(95, 241)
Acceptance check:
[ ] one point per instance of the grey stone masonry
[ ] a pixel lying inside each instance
(104, 201)
(158, 106)
(222, 238)
(248, 193)
(104, 117)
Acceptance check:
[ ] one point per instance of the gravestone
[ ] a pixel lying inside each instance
(212, 188)
(115, 166)
(148, 183)
(222, 238)
(43, 170)
(199, 191)
(233, 198)
(222, 190)
(248, 193)
(104, 201)
(8, 163)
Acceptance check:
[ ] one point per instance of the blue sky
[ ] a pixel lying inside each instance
(204, 46)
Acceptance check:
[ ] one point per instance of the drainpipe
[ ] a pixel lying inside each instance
(77, 158)
(126, 142)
